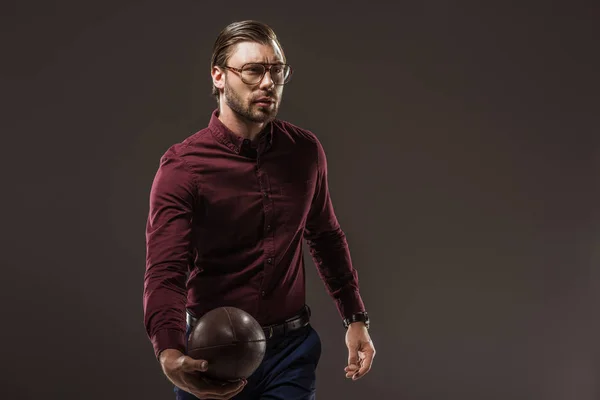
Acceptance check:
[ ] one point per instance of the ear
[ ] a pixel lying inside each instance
(218, 77)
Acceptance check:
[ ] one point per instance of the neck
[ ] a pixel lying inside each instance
(238, 125)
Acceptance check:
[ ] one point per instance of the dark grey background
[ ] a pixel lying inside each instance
(464, 157)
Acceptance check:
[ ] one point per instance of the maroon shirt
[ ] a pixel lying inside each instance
(226, 224)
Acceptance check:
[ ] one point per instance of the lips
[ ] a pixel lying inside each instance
(265, 100)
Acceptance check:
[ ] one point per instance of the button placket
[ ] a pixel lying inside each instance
(268, 240)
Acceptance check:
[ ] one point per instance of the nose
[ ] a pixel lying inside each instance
(267, 82)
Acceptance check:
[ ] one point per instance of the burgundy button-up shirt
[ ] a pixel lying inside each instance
(226, 224)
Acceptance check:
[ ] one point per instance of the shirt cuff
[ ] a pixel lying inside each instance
(350, 303)
(168, 339)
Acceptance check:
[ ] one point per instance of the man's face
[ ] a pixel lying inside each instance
(255, 103)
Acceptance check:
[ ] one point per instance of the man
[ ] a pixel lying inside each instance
(229, 209)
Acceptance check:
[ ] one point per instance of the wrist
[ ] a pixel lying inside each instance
(360, 317)
(357, 324)
(169, 354)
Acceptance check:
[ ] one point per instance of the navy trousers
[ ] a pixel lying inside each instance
(288, 370)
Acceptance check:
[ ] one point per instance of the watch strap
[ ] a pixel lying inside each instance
(357, 317)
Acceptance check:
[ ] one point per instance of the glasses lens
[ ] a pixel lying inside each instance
(279, 73)
(253, 73)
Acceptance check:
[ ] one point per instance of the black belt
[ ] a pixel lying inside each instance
(291, 324)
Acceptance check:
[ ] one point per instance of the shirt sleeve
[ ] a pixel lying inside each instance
(329, 248)
(168, 245)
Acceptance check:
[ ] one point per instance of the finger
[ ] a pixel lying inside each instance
(221, 388)
(221, 383)
(234, 388)
(213, 393)
(189, 364)
(366, 365)
(193, 384)
(202, 387)
(215, 396)
(351, 370)
(219, 396)
(231, 395)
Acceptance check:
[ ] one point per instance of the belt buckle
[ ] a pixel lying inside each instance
(190, 320)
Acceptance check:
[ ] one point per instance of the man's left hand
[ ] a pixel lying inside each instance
(360, 351)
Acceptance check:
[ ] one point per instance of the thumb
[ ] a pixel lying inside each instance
(192, 365)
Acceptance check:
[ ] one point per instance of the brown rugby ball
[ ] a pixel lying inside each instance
(230, 340)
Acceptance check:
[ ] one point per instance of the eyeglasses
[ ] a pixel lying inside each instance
(253, 73)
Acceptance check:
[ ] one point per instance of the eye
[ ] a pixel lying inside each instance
(253, 69)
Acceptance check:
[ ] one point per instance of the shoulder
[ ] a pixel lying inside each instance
(185, 149)
(296, 132)
(304, 136)
(303, 140)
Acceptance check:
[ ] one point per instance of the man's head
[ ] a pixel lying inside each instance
(248, 70)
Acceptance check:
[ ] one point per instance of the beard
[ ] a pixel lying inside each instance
(249, 111)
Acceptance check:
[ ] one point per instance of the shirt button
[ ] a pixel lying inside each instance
(268, 227)
(269, 260)
(263, 294)
(265, 194)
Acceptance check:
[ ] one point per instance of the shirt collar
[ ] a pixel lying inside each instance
(233, 141)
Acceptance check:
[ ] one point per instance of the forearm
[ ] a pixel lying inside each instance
(331, 254)
(164, 308)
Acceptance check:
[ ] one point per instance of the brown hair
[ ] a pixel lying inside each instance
(234, 33)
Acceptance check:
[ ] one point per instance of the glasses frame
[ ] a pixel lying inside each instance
(267, 68)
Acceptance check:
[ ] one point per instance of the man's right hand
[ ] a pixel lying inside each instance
(186, 373)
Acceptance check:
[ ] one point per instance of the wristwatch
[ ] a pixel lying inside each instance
(358, 317)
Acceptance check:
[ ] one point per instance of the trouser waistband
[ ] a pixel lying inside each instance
(291, 324)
